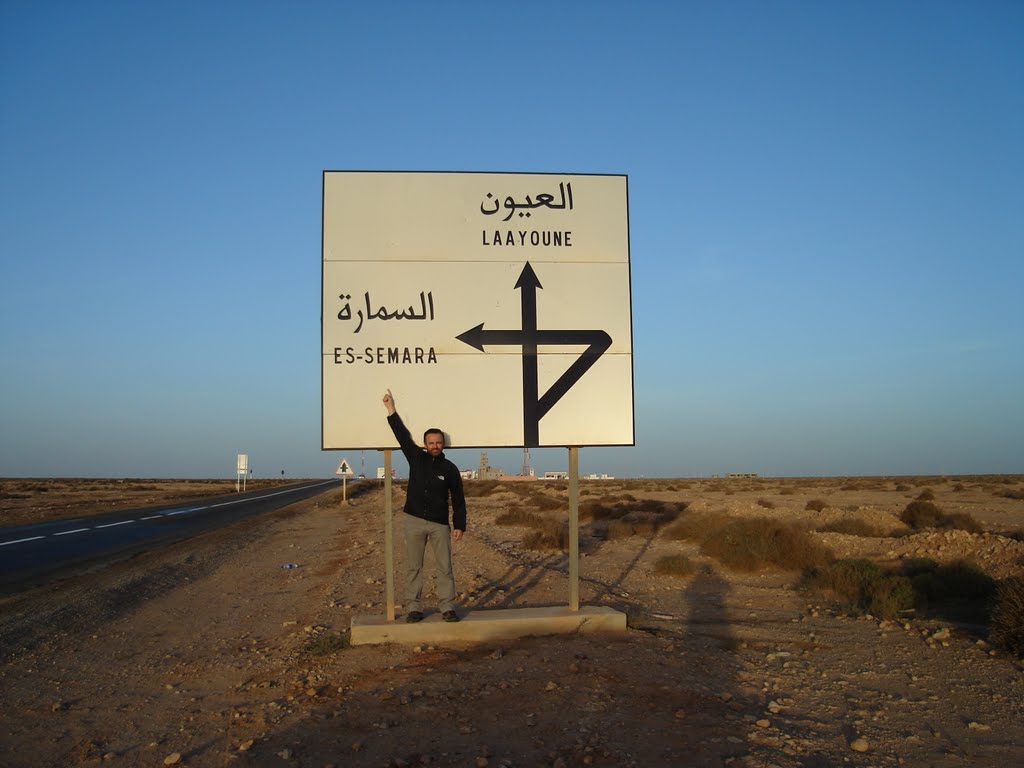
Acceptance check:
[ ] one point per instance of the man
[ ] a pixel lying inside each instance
(432, 480)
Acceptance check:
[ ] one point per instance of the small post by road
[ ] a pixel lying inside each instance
(389, 557)
(574, 529)
(345, 471)
(241, 471)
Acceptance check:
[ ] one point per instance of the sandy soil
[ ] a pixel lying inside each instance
(210, 653)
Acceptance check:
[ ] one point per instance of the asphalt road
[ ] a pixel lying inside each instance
(31, 555)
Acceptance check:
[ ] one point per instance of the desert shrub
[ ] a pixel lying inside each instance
(325, 645)
(960, 590)
(959, 487)
(544, 502)
(848, 579)
(853, 526)
(674, 565)
(766, 503)
(963, 522)
(864, 586)
(890, 596)
(815, 505)
(649, 505)
(959, 580)
(921, 514)
(479, 488)
(518, 516)
(924, 514)
(901, 487)
(1008, 616)
(553, 534)
(926, 495)
(1018, 494)
(751, 544)
(695, 527)
(618, 529)
(646, 516)
(597, 510)
(917, 565)
(787, 491)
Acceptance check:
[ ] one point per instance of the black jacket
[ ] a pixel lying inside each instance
(431, 480)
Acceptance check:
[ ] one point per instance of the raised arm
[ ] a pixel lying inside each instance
(405, 441)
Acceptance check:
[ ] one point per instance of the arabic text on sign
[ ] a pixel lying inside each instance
(426, 310)
(543, 200)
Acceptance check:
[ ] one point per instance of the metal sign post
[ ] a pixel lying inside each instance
(389, 557)
(574, 529)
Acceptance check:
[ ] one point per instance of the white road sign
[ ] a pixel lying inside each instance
(344, 469)
(494, 306)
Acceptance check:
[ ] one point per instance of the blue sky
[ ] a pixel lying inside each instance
(826, 219)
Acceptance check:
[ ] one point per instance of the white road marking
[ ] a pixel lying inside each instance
(19, 541)
(167, 514)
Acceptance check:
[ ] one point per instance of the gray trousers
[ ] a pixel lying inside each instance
(419, 533)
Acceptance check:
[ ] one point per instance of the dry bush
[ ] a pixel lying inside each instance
(921, 514)
(623, 519)
(618, 529)
(815, 505)
(854, 526)
(766, 503)
(959, 590)
(674, 565)
(901, 487)
(963, 522)
(754, 543)
(787, 491)
(543, 501)
(695, 527)
(926, 495)
(519, 516)
(1008, 616)
(1018, 494)
(552, 534)
(863, 586)
(474, 489)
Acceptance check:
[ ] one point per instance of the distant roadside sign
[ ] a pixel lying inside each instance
(494, 305)
(344, 469)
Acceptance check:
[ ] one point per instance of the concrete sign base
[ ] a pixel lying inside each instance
(486, 625)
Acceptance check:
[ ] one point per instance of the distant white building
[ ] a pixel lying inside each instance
(556, 475)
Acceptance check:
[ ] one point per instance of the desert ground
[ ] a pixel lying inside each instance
(210, 653)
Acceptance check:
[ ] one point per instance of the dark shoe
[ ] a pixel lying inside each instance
(450, 616)
(413, 617)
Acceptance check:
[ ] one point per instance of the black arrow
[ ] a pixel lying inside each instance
(529, 284)
(530, 338)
